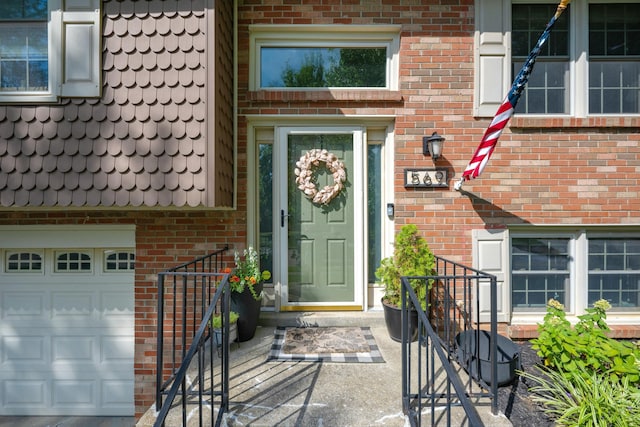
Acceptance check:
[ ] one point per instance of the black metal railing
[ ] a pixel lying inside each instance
(431, 378)
(188, 297)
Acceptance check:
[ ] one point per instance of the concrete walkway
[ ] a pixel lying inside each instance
(318, 394)
(66, 421)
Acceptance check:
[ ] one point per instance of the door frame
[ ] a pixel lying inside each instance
(280, 199)
(262, 129)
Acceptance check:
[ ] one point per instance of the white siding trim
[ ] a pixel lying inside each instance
(85, 236)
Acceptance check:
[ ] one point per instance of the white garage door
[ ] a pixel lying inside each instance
(67, 321)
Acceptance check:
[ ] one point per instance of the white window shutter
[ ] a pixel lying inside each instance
(491, 255)
(492, 55)
(80, 67)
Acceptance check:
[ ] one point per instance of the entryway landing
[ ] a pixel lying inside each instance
(312, 394)
(66, 421)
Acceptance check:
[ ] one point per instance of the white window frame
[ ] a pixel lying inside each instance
(387, 36)
(578, 273)
(74, 53)
(69, 252)
(31, 252)
(574, 266)
(130, 261)
(492, 57)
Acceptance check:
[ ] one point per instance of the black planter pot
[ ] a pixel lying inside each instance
(248, 309)
(393, 320)
(474, 354)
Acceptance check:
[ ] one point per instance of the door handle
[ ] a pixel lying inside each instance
(282, 217)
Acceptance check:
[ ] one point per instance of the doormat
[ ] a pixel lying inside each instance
(324, 344)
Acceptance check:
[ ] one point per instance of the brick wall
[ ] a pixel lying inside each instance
(545, 171)
(568, 171)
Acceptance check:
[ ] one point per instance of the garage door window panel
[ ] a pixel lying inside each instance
(115, 261)
(23, 262)
(74, 262)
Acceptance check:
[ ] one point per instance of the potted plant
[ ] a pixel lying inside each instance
(411, 257)
(216, 324)
(246, 283)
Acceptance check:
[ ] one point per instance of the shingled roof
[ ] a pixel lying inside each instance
(144, 142)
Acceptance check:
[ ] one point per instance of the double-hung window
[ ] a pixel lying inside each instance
(614, 272)
(24, 56)
(590, 65)
(547, 90)
(539, 271)
(576, 266)
(308, 57)
(614, 58)
(48, 51)
(576, 269)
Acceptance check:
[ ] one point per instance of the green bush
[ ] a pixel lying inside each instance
(579, 399)
(588, 379)
(586, 348)
(411, 257)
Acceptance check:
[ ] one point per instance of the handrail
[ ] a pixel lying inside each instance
(222, 298)
(211, 258)
(428, 333)
(454, 307)
(187, 292)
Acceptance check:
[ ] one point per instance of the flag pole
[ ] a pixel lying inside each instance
(505, 111)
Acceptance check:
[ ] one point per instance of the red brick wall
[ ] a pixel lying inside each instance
(166, 240)
(544, 171)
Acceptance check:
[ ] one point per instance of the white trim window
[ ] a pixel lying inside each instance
(540, 271)
(576, 269)
(589, 66)
(312, 57)
(574, 265)
(547, 91)
(47, 51)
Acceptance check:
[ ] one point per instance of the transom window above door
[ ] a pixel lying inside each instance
(323, 57)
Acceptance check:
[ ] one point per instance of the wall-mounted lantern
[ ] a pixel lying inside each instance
(432, 146)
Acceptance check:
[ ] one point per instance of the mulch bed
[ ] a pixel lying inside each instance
(515, 400)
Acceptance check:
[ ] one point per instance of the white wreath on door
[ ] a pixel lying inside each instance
(305, 170)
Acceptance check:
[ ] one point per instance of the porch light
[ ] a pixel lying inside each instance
(432, 146)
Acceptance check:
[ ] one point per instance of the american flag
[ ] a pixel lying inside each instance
(500, 120)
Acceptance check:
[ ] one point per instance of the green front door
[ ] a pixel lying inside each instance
(320, 261)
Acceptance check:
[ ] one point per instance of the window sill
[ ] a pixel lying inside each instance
(618, 331)
(525, 122)
(325, 95)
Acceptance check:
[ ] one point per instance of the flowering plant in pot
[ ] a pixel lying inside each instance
(411, 257)
(246, 283)
(247, 274)
(216, 324)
